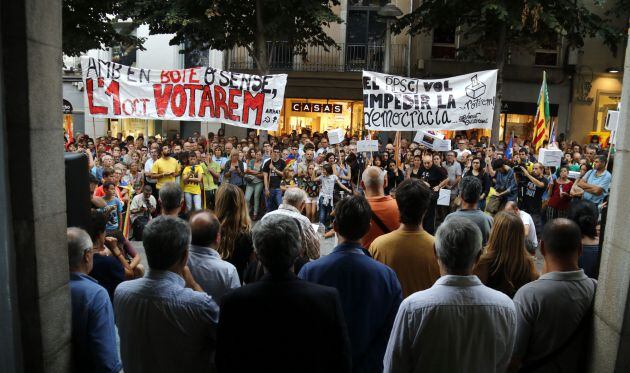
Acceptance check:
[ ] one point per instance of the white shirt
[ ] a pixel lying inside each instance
(531, 235)
(457, 325)
(460, 154)
(147, 169)
(139, 201)
(321, 151)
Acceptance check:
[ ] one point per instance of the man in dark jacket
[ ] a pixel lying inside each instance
(281, 323)
(370, 291)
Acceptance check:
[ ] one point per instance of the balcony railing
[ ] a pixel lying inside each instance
(348, 57)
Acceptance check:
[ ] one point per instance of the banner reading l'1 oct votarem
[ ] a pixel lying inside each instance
(395, 103)
(196, 94)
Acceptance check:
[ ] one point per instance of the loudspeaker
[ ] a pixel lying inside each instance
(77, 190)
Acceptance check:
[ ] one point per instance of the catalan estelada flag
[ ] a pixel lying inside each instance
(541, 121)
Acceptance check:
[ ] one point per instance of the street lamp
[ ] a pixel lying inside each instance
(389, 12)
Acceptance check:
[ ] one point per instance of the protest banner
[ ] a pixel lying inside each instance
(367, 146)
(196, 94)
(395, 103)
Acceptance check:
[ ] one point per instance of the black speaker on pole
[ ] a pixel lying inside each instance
(77, 190)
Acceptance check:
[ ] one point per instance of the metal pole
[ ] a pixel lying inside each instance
(409, 43)
(388, 45)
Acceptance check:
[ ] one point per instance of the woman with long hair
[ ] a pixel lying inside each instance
(234, 170)
(477, 170)
(585, 214)
(236, 239)
(506, 265)
(254, 180)
(414, 171)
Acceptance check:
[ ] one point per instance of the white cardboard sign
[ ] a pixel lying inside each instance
(550, 157)
(367, 146)
(432, 141)
(335, 136)
(444, 198)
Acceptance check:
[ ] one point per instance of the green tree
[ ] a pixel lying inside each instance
(491, 28)
(89, 24)
(225, 24)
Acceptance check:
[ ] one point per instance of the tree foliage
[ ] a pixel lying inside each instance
(492, 28)
(224, 24)
(522, 23)
(89, 24)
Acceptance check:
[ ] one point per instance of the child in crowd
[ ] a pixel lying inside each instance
(192, 177)
(308, 184)
(288, 179)
(327, 180)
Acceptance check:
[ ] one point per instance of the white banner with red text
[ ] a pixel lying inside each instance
(196, 94)
(396, 103)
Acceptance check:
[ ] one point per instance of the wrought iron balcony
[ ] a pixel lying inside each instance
(348, 57)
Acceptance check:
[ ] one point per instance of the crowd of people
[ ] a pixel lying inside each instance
(227, 228)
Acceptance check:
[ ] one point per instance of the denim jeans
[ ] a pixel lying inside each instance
(274, 200)
(193, 201)
(254, 190)
(324, 213)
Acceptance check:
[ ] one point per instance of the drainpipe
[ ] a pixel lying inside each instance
(409, 43)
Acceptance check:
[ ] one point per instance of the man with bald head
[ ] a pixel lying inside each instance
(385, 216)
(213, 274)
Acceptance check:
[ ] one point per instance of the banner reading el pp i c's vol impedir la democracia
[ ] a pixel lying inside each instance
(395, 103)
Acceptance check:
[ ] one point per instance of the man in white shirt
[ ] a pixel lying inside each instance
(155, 154)
(215, 276)
(323, 147)
(457, 325)
(141, 209)
(461, 150)
(531, 239)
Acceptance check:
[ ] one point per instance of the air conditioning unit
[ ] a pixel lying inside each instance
(573, 57)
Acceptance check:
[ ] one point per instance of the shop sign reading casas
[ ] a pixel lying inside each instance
(308, 107)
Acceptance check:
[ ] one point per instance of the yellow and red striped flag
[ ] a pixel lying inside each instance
(542, 119)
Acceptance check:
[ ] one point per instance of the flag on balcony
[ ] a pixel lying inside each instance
(542, 115)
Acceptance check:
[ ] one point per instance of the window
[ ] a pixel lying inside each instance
(196, 58)
(547, 54)
(444, 44)
(364, 35)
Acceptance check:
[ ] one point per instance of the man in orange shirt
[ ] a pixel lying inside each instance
(385, 217)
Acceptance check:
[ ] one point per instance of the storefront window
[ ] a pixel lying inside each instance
(605, 101)
(312, 115)
(132, 127)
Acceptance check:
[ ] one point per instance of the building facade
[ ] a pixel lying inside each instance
(324, 89)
